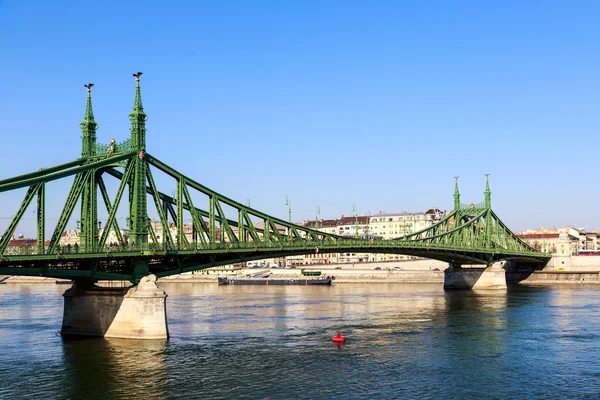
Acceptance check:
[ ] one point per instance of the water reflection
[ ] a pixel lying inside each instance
(115, 368)
(476, 322)
(404, 341)
(290, 314)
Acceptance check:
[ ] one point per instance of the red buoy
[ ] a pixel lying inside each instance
(338, 338)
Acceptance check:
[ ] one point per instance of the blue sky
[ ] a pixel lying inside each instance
(330, 102)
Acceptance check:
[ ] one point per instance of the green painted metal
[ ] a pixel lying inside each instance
(288, 203)
(89, 214)
(211, 218)
(355, 220)
(456, 194)
(10, 231)
(81, 166)
(160, 208)
(470, 234)
(113, 147)
(138, 209)
(112, 210)
(180, 210)
(199, 224)
(109, 208)
(487, 194)
(88, 127)
(74, 194)
(41, 218)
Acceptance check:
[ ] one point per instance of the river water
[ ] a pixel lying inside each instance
(254, 342)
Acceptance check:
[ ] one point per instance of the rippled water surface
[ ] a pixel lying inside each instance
(404, 341)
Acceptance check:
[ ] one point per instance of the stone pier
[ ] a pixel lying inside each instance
(492, 277)
(138, 312)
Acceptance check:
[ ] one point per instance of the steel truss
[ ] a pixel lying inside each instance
(224, 231)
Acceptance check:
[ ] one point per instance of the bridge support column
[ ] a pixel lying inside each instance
(492, 277)
(138, 312)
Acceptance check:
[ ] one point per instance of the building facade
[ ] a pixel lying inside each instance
(384, 226)
(561, 241)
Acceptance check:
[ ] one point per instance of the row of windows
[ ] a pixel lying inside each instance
(406, 218)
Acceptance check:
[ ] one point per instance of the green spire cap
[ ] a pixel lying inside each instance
(89, 112)
(88, 127)
(456, 194)
(137, 103)
(487, 193)
(138, 118)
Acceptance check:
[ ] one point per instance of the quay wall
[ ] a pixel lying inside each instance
(574, 263)
(553, 277)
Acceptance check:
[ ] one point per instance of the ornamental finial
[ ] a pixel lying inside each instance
(487, 193)
(138, 118)
(89, 113)
(137, 102)
(456, 194)
(88, 126)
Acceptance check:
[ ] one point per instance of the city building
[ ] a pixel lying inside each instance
(561, 241)
(391, 226)
(23, 245)
(381, 226)
(72, 237)
(353, 226)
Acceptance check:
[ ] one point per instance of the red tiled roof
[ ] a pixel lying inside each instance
(538, 235)
(351, 220)
(323, 223)
(23, 242)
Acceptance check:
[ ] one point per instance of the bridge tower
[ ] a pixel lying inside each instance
(488, 216)
(456, 195)
(138, 208)
(487, 194)
(89, 204)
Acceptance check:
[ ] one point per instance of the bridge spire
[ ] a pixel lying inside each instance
(138, 118)
(138, 208)
(456, 194)
(88, 127)
(487, 193)
(89, 207)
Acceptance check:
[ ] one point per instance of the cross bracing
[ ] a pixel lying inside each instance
(223, 230)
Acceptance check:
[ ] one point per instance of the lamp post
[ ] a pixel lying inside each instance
(317, 218)
(288, 203)
(355, 218)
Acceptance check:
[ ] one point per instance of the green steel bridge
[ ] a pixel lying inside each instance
(223, 229)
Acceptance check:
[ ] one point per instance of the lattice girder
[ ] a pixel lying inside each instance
(223, 230)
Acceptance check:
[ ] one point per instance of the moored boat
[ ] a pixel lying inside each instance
(300, 281)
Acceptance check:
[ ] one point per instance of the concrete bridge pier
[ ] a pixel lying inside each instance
(490, 277)
(137, 312)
